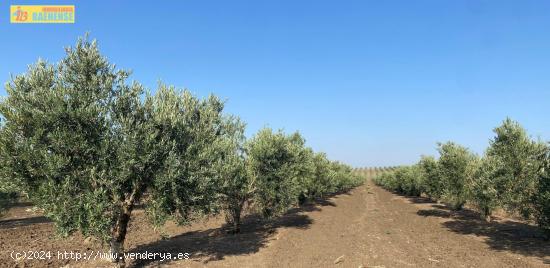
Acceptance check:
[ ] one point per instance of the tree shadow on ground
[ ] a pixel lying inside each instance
(434, 213)
(14, 223)
(418, 199)
(214, 244)
(501, 234)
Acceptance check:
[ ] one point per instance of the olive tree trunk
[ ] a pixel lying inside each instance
(118, 235)
(235, 213)
(120, 228)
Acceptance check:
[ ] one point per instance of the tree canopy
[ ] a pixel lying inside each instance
(86, 146)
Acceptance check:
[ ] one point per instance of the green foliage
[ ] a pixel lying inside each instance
(185, 187)
(275, 167)
(513, 174)
(444, 178)
(318, 182)
(306, 180)
(328, 177)
(285, 172)
(342, 178)
(429, 169)
(8, 191)
(406, 180)
(456, 166)
(521, 160)
(272, 172)
(55, 132)
(385, 180)
(86, 146)
(482, 187)
(236, 186)
(541, 201)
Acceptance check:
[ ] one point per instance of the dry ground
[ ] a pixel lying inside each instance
(367, 227)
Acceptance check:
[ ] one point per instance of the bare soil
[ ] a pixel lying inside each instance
(366, 227)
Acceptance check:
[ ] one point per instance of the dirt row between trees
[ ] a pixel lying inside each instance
(367, 227)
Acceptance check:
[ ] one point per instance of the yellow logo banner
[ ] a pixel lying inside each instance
(42, 14)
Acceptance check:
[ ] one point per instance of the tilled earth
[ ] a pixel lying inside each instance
(367, 227)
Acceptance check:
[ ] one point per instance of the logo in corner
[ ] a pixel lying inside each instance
(42, 14)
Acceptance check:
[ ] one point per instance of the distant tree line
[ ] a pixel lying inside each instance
(513, 174)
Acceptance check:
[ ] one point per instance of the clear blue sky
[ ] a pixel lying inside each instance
(369, 82)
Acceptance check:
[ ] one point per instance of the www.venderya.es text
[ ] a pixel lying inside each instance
(96, 255)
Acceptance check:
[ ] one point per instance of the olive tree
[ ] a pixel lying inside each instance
(86, 146)
(456, 165)
(342, 178)
(322, 177)
(541, 200)
(310, 183)
(267, 171)
(414, 182)
(482, 186)
(318, 181)
(8, 192)
(274, 164)
(386, 179)
(236, 186)
(406, 180)
(429, 169)
(520, 161)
